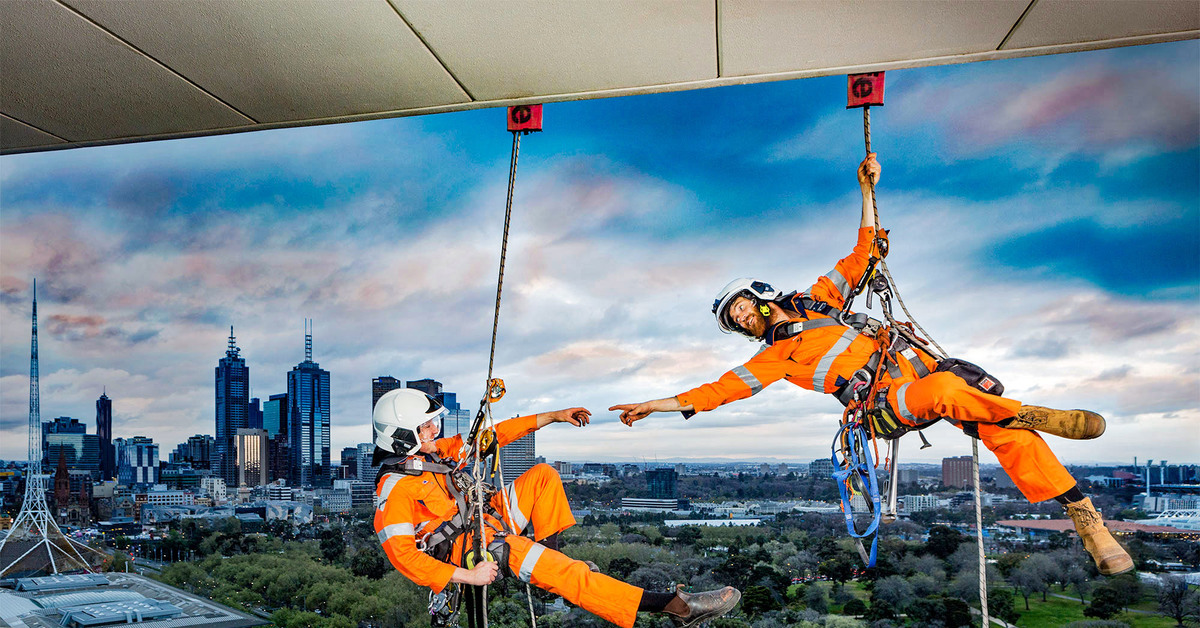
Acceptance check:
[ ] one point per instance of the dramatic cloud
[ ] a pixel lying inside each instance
(1073, 290)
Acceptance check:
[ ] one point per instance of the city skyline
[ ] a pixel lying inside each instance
(1049, 234)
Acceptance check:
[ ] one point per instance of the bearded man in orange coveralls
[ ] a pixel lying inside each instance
(417, 512)
(808, 345)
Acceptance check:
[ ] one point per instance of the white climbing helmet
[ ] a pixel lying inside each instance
(398, 414)
(740, 287)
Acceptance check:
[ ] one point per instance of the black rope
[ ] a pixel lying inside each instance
(512, 177)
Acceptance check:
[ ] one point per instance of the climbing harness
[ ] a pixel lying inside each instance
(869, 415)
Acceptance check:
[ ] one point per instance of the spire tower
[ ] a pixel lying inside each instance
(308, 340)
(35, 545)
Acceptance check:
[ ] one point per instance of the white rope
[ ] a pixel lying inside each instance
(979, 531)
(974, 441)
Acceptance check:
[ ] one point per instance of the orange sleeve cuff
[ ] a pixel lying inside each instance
(512, 429)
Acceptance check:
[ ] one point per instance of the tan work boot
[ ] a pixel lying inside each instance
(1074, 424)
(704, 606)
(1110, 557)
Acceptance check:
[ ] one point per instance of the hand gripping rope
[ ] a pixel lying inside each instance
(522, 120)
(864, 90)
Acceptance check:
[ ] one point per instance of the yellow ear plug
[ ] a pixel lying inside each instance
(766, 311)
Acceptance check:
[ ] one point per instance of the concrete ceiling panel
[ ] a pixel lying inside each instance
(17, 134)
(1052, 22)
(64, 75)
(278, 60)
(532, 47)
(765, 36)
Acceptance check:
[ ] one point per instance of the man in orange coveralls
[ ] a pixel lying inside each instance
(417, 517)
(812, 344)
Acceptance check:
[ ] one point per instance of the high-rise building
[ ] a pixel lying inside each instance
(279, 459)
(457, 419)
(275, 412)
(661, 483)
(381, 385)
(252, 459)
(254, 414)
(821, 468)
(137, 461)
(366, 472)
(233, 389)
(350, 462)
(197, 452)
(308, 420)
(518, 456)
(68, 439)
(956, 472)
(108, 455)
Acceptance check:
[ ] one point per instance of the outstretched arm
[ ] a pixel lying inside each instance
(631, 412)
(868, 175)
(578, 417)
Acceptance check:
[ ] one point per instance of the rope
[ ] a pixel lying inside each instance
(974, 441)
(489, 421)
(979, 529)
(512, 177)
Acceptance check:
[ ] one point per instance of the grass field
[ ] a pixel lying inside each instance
(1057, 612)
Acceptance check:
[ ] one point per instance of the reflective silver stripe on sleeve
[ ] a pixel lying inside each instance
(839, 282)
(748, 379)
(903, 409)
(396, 529)
(826, 362)
(531, 559)
(389, 483)
(514, 509)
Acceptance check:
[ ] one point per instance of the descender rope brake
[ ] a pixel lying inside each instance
(522, 120)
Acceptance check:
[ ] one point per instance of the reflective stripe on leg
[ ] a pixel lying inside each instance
(514, 509)
(902, 407)
(531, 560)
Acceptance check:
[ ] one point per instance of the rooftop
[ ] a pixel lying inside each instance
(113, 598)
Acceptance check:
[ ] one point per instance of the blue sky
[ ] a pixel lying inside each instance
(1045, 217)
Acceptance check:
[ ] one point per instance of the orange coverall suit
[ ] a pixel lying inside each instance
(819, 358)
(409, 507)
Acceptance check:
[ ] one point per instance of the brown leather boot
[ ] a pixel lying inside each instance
(1110, 557)
(706, 605)
(1073, 424)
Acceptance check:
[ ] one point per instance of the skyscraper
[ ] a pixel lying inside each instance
(254, 414)
(308, 419)
(252, 457)
(67, 438)
(108, 455)
(275, 412)
(957, 472)
(233, 389)
(661, 483)
(381, 385)
(137, 461)
(518, 456)
(457, 419)
(350, 462)
(197, 452)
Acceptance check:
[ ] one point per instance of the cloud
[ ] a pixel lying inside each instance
(388, 234)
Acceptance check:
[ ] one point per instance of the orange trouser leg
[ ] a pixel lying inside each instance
(596, 593)
(536, 499)
(1023, 454)
(1028, 460)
